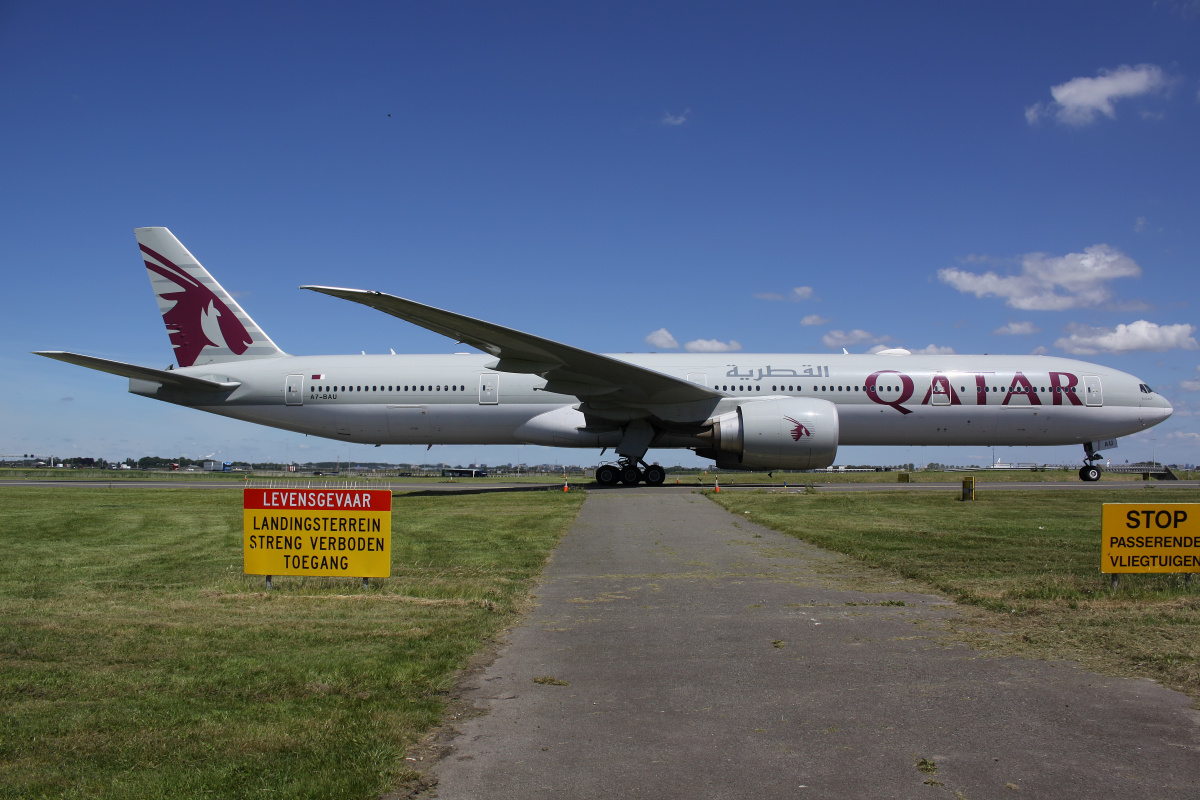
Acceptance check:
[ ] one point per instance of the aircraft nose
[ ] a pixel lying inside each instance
(1158, 410)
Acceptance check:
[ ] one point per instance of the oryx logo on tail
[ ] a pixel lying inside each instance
(798, 429)
(198, 318)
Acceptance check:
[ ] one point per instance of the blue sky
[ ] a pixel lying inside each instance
(779, 177)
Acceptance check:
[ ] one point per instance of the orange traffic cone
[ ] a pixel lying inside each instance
(566, 488)
(717, 485)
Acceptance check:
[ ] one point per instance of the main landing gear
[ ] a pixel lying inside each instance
(626, 471)
(1089, 472)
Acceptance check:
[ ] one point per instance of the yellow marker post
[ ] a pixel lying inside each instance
(968, 492)
(317, 532)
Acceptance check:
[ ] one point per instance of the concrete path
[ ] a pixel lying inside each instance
(678, 651)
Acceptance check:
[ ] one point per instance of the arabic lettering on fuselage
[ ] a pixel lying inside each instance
(758, 373)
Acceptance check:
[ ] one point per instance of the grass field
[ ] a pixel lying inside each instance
(137, 661)
(1028, 561)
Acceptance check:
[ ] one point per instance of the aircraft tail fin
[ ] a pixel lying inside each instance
(205, 323)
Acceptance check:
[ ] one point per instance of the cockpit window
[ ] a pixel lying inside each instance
(1145, 389)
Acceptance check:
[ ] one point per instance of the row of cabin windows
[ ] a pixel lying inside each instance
(437, 388)
(724, 388)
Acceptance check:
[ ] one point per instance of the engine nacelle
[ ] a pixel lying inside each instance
(782, 433)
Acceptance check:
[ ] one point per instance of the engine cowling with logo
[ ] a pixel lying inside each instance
(778, 433)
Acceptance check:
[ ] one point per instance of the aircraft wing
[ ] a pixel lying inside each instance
(567, 370)
(166, 377)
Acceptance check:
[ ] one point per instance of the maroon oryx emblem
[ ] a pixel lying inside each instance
(798, 429)
(195, 304)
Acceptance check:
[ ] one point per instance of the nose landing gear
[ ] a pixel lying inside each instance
(1089, 472)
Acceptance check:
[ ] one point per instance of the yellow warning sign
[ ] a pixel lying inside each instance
(317, 532)
(1150, 537)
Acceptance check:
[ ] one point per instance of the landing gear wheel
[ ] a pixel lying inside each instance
(631, 476)
(1089, 473)
(655, 475)
(607, 475)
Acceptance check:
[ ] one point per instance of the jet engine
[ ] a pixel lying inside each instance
(779, 433)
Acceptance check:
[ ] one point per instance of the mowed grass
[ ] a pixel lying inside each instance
(1029, 560)
(137, 661)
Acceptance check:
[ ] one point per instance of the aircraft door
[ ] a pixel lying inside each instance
(1093, 393)
(293, 390)
(489, 389)
(939, 391)
(698, 377)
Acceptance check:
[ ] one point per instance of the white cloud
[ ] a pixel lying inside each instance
(1140, 335)
(662, 339)
(934, 350)
(797, 294)
(1082, 278)
(1184, 436)
(1079, 100)
(839, 338)
(712, 346)
(814, 319)
(1017, 329)
(1139, 225)
(1039, 351)
(1191, 386)
(675, 120)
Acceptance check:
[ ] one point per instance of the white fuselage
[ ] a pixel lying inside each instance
(880, 399)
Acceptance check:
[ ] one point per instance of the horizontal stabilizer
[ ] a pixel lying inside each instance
(164, 376)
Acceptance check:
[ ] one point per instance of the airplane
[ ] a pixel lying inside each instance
(743, 411)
